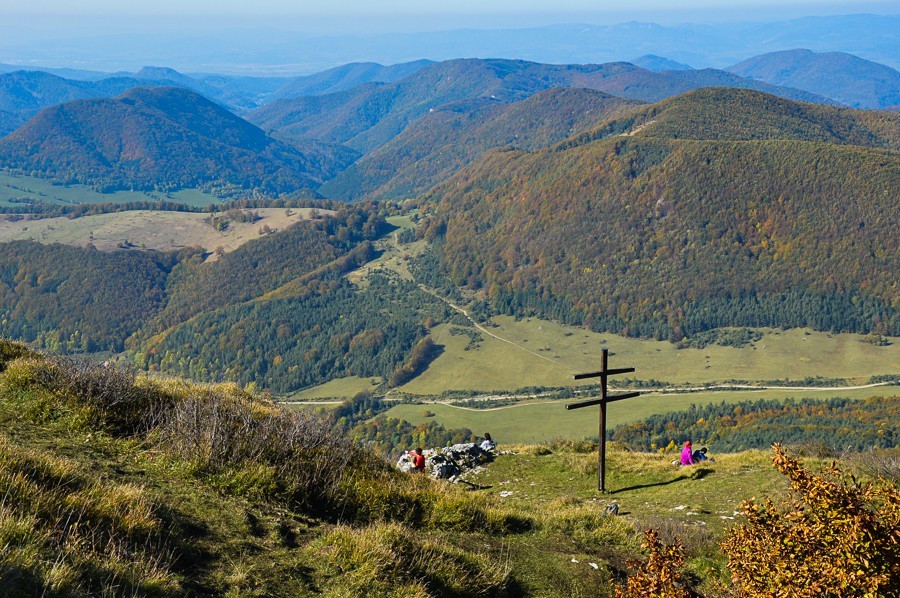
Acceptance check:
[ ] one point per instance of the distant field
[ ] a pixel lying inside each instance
(547, 354)
(393, 257)
(18, 187)
(163, 231)
(537, 421)
(542, 353)
(342, 388)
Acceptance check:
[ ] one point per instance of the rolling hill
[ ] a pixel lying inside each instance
(718, 206)
(444, 140)
(24, 93)
(30, 91)
(169, 137)
(846, 78)
(370, 115)
(344, 77)
(657, 64)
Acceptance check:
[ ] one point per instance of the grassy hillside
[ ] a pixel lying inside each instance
(641, 231)
(117, 484)
(535, 352)
(160, 231)
(23, 192)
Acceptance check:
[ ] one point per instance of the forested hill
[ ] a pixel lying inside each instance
(161, 137)
(851, 80)
(441, 142)
(751, 220)
(718, 113)
(344, 77)
(368, 116)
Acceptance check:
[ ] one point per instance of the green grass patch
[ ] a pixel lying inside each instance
(543, 353)
(13, 187)
(538, 421)
(138, 486)
(338, 388)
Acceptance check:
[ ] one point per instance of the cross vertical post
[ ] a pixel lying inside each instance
(605, 398)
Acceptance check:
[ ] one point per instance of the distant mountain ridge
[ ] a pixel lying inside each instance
(872, 36)
(370, 115)
(346, 76)
(439, 143)
(165, 136)
(659, 63)
(848, 79)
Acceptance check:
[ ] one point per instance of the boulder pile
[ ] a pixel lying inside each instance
(450, 462)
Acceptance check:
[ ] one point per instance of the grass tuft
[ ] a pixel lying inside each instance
(392, 560)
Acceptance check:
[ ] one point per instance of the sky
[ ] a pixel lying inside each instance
(233, 35)
(336, 16)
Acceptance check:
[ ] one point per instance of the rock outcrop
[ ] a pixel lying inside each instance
(450, 462)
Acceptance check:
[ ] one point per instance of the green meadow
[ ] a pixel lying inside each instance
(533, 352)
(536, 352)
(13, 187)
(540, 353)
(339, 388)
(147, 229)
(539, 421)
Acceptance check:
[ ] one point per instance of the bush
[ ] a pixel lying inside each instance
(833, 537)
(111, 393)
(248, 445)
(10, 351)
(660, 575)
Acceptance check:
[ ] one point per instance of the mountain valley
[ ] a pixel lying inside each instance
(229, 304)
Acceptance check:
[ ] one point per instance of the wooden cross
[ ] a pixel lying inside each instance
(604, 373)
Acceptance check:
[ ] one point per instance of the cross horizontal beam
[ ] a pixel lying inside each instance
(611, 372)
(609, 399)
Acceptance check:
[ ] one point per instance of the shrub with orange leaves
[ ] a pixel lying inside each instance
(661, 575)
(834, 536)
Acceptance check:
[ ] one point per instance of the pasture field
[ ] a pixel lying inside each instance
(537, 352)
(148, 229)
(14, 186)
(339, 388)
(541, 420)
(393, 257)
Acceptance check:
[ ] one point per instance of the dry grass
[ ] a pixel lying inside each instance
(100, 535)
(160, 231)
(393, 560)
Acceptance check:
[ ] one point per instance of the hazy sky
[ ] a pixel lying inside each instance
(405, 14)
(225, 35)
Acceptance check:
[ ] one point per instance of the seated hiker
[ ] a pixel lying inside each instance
(687, 455)
(418, 460)
(700, 455)
(488, 444)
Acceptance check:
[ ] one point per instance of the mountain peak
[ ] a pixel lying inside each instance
(846, 78)
(162, 73)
